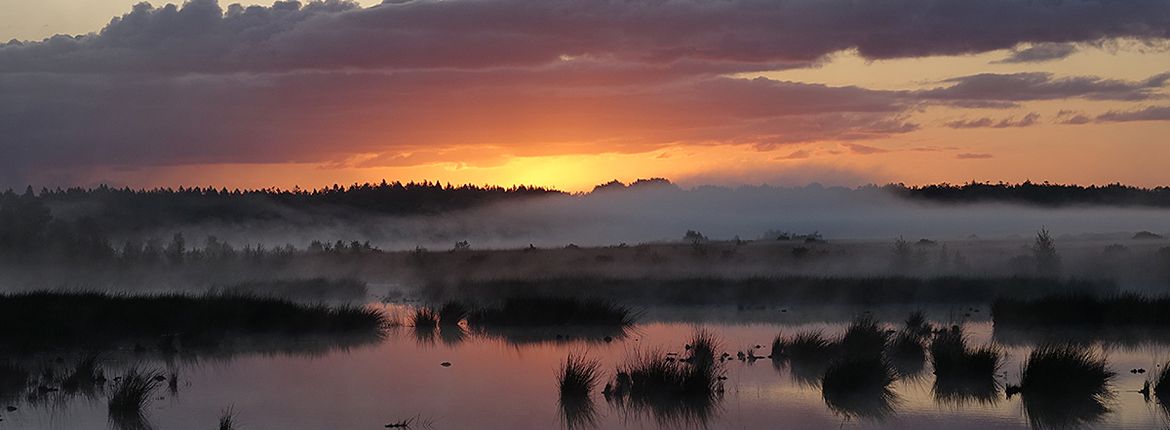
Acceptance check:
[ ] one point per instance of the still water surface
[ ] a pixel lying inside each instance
(497, 383)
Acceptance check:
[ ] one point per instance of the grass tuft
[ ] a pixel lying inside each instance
(578, 376)
(674, 392)
(864, 337)
(1064, 386)
(807, 354)
(131, 395)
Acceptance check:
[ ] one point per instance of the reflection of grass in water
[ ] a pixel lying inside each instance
(907, 354)
(424, 317)
(51, 320)
(529, 335)
(1083, 310)
(227, 419)
(578, 413)
(674, 392)
(423, 335)
(13, 381)
(576, 378)
(85, 378)
(706, 290)
(859, 387)
(1161, 384)
(806, 354)
(452, 335)
(452, 312)
(1065, 386)
(963, 374)
(552, 311)
(130, 397)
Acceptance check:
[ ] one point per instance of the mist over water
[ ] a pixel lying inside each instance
(664, 213)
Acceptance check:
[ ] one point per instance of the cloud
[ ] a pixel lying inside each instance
(985, 122)
(794, 155)
(1149, 113)
(464, 81)
(1039, 53)
(203, 37)
(864, 149)
(973, 156)
(1032, 86)
(1071, 117)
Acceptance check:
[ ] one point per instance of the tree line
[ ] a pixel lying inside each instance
(1042, 194)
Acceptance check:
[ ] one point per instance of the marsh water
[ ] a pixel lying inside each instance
(507, 381)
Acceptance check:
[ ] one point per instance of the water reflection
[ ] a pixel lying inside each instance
(860, 387)
(1065, 386)
(519, 336)
(504, 382)
(578, 412)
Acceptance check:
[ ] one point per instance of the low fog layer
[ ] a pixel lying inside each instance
(664, 213)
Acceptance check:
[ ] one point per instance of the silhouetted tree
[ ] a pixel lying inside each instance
(176, 249)
(903, 256)
(1045, 255)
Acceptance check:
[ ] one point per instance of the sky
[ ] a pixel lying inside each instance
(573, 93)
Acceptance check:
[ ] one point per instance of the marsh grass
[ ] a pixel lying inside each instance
(702, 348)
(1065, 386)
(86, 377)
(674, 392)
(14, 380)
(553, 311)
(864, 337)
(917, 324)
(963, 374)
(578, 376)
(576, 379)
(860, 387)
(90, 320)
(130, 397)
(806, 354)
(1161, 384)
(953, 358)
(312, 290)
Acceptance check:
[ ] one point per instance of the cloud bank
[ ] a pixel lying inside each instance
(331, 81)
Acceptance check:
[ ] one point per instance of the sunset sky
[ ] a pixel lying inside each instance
(570, 94)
